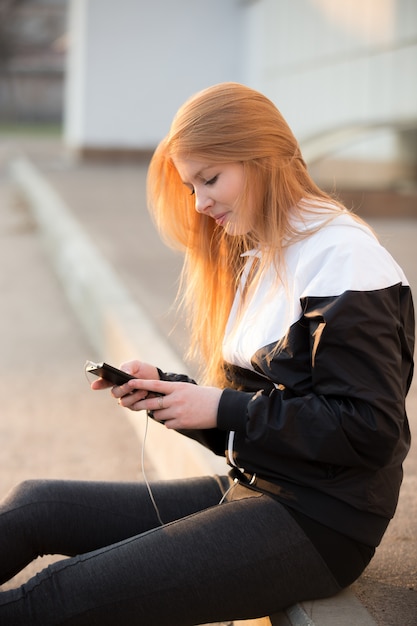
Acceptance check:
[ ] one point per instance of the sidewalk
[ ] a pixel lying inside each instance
(108, 203)
(52, 425)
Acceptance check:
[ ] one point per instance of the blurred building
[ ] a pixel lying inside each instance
(132, 63)
(32, 60)
(343, 73)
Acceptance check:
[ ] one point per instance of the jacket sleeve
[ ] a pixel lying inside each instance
(211, 438)
(348, 408)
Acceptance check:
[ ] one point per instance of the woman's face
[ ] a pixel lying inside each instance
(217, 188)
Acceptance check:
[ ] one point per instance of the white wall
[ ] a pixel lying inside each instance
(131, 63)
(332, 63)
(327, 64)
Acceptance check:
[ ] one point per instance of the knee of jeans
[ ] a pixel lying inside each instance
(26, 492)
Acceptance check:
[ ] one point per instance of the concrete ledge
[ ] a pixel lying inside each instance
(117, 326)
(344, 609)
(341, 610)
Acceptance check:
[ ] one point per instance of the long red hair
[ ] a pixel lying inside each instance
(228, 123)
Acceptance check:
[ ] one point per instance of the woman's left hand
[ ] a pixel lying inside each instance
(181, 405)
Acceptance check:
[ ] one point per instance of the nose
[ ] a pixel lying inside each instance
(203, 201)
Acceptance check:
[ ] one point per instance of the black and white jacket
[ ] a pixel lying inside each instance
(324, 416)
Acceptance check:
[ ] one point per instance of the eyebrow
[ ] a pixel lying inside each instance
(203, 169)
(199, 173)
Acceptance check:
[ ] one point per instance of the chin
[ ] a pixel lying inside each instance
(236, 230)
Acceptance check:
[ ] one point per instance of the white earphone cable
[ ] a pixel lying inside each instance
(155, 506)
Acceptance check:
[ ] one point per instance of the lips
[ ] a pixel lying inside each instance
(220, 219)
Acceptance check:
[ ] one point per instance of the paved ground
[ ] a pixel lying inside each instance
(51, 423)
(109, 202)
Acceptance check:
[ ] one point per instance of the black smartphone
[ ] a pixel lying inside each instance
(108, 372)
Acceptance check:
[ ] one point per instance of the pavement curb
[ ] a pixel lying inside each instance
(115, 324)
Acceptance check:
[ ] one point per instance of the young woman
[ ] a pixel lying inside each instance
(305, 330)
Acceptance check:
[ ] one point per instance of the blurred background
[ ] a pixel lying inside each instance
(107, 77)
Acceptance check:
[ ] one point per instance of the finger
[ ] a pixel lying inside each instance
(119, 391)
(159, 403)
(154, 405)
(99, 384)
(156, 387)
(140, 399)
(131, 398)
(131, 367)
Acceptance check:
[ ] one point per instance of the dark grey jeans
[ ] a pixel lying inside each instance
(210, 562)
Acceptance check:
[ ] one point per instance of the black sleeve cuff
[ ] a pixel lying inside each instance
(175, 378)
(232, 413)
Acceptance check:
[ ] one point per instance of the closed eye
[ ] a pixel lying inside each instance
(209, 182)
(212, 180)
